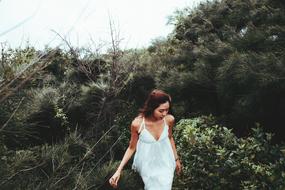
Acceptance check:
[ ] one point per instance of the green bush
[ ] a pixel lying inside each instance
(228, 59)
(69, 165)
(214, 158)
(47, 117)
(45, 166)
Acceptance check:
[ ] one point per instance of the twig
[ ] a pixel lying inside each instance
(98, 142)
(12, 115)
(21, 83)
(105, 154)
(69, 172)
(23, 71)
(24, 170)
(77, 181)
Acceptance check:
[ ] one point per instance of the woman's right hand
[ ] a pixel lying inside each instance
(114, 179)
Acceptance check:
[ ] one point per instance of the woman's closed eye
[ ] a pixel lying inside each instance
(161, 111)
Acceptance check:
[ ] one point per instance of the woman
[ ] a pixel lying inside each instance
(151, 138)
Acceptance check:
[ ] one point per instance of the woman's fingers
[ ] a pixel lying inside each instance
(114, 181)
(178, 168)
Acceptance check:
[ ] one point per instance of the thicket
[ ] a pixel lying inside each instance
(64, 118)
(215, 158)
(227, 58)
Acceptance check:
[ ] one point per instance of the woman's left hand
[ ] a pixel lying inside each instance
(178, 167)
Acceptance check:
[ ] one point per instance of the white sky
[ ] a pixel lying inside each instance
(138, 21)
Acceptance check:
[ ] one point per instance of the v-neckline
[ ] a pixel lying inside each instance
(152, 134)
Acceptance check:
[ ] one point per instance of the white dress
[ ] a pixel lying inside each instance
(154, 159)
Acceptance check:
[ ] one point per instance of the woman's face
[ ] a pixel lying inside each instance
(161, 111)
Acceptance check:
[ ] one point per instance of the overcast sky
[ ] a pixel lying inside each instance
(38, 21)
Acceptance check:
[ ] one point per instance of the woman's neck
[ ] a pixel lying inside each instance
(153, 119)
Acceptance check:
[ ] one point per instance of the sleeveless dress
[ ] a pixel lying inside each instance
(154, 159)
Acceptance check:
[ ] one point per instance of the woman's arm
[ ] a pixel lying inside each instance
(171, 120)
(128, 154)
(132, 146)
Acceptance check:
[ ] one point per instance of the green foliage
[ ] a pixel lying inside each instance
(214, 158)
(62, 166)
(58, 65)
(14, 61)
(226, 58)
(44, 166)
(47, 117)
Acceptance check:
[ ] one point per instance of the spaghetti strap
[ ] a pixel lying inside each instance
(141, 126)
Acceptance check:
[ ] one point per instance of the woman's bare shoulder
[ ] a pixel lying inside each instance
(170, 119)
(137, 122)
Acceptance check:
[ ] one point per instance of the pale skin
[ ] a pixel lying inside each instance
(154, 125)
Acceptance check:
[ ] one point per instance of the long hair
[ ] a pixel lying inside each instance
(154, 99)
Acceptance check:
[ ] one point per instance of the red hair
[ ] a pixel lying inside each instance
(153, 101)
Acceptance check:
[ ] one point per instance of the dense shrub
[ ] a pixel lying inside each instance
(228, 59)
(46, 116)
(69, 165)
(214, 158)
